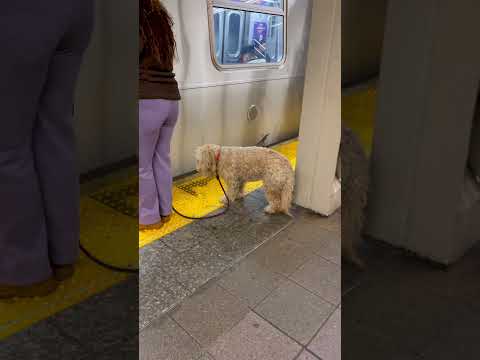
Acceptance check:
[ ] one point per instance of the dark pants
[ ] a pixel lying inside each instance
(41, 44)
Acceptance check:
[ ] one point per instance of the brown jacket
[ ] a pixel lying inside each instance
(156, 81)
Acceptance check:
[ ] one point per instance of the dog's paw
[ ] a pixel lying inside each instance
(241, 195)
(223, 200)
(269, 209)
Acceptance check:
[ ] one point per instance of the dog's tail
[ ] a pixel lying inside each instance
(287, 194)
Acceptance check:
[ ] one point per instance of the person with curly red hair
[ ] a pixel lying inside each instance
(158, 113)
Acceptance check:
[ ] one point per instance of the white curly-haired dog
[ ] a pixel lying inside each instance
(355, 178)
(238, 165)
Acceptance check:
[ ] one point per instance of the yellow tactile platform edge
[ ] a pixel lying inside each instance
(110, 236)
(205, 199)
(358, 112)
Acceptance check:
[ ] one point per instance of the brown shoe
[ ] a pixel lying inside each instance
(166, 219)
(154, 226)
(63, 272)
(43, 288)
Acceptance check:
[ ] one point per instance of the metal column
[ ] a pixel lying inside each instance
(422, 197)
(320, 126)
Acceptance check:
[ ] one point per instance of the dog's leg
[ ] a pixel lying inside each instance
(349, 251)
(241, 192)
(286, 196)
(233, 189)
(274, 201)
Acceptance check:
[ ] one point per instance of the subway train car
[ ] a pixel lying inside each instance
(240, 68)
(234, 91)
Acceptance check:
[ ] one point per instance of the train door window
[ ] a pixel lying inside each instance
(218, 24)
(233, 41)
(247, 33)
(270, 3)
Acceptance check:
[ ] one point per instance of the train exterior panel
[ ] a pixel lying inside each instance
(217, 98)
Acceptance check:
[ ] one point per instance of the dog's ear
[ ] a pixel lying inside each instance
(198, 154)
(206, 160)
(210, 159)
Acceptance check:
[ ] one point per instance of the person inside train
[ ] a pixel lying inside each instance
(39, 186)
(158, 112)
(251, 54)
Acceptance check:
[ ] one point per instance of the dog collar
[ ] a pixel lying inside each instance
(217, 156)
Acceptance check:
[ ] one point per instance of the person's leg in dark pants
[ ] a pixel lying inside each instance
(42, 49)
(23, 243)
(54, 149)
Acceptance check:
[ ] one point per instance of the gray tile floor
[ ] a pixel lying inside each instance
(102, 327)
(243, 286)
(403, 308)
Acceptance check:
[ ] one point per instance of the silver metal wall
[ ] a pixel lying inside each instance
(106, 106)
(363, 24)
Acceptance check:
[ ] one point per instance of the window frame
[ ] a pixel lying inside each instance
(230, 5)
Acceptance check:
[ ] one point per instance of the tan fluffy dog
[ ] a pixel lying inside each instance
(355, 182)
(238, 165)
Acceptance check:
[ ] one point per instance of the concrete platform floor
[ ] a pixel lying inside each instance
(102, 327)
(243, 286)
(404, 308)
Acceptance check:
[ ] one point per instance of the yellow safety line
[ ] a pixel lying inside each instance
(205, 197)
(358, 112)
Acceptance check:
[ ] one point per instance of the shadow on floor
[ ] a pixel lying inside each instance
(405, 308)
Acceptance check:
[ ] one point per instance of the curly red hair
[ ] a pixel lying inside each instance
(156, 32)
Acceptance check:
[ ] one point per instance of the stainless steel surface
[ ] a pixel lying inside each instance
(215, 103)
(106, 104)
(363, 25)
(252, 113)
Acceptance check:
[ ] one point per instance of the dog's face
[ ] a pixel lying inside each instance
(206, 164)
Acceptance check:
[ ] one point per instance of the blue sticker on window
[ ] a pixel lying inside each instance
(260, 31)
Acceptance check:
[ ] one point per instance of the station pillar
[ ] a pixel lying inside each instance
(423, 197)
(320, 126)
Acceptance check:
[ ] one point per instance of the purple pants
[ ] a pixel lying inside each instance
(39, 191)
(157, 119)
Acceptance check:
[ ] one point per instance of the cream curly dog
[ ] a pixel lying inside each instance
(238, 165)
(355, 182)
